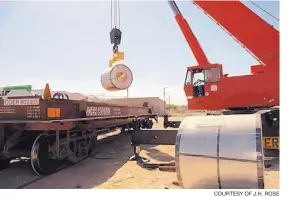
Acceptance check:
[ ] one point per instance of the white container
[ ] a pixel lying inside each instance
(220, 152)
(118, 77)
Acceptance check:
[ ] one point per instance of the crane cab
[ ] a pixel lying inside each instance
(202, 82)
(207, 88)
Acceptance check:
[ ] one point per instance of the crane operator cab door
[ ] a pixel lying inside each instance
(202, 82)
(198, 80)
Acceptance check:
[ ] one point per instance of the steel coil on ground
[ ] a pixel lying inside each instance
(220, 152)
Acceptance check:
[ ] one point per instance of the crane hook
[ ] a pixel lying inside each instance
(115, 34)
(115, 38)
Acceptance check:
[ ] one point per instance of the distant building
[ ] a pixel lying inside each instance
(155, 103)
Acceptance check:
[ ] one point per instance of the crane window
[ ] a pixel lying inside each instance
(198, 83)
(212, 74)
(198, 77)
(188, 78)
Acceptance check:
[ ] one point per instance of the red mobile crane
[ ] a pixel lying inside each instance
(207, 87)
(260, 39)
(217, 90)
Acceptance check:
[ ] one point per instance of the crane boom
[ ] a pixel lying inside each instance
(241, 23)
(189, 35)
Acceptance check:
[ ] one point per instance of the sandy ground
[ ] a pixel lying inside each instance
(109, 168)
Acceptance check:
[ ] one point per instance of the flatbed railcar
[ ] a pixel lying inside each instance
(59, 130)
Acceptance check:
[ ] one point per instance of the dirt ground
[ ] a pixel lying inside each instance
(109, 168)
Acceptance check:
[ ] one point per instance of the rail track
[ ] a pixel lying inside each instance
(40, 177)
(101, 146)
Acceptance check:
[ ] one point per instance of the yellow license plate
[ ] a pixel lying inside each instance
(271, 143)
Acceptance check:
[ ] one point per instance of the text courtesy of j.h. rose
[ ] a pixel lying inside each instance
(247, 193)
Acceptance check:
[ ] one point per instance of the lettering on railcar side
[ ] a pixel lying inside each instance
(28, 101)
(33, 112)
(103, 111)
(97, 111)
(7, 110)
(116, 111)
(91, 111)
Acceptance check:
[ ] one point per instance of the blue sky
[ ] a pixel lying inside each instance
(67, 44)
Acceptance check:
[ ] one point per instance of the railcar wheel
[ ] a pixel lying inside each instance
(4, 163)
(41, 162)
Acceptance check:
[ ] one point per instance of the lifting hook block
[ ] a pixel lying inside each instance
(117, 56)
